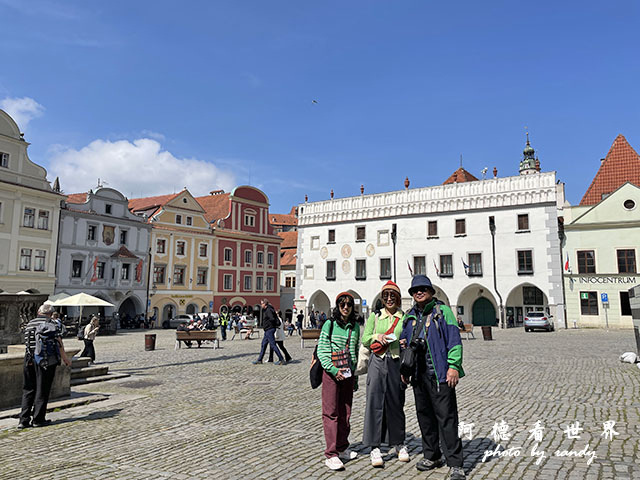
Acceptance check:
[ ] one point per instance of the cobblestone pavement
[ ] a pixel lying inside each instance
(205, 413)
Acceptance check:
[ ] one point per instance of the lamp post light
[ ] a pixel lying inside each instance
(492, 229)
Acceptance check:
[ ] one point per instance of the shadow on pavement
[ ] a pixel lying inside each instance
(91, 416)
(193, 362)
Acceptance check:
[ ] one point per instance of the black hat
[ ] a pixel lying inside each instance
(421, 281)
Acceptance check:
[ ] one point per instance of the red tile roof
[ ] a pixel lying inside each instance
(77, 198)
(621, 165)
(289, 239)
(215, 206)
(147, 203)
(287, 258)
(282, 219)
(459, 176)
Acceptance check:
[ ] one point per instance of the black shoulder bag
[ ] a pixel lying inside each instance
(316, 370)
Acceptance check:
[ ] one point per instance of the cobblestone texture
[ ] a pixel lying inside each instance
(205, 413)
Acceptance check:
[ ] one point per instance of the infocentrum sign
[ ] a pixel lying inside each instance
(606, 279)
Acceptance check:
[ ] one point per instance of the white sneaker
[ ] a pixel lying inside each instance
(334, 463)
(347, 455)
(403, 453)
(376, 458)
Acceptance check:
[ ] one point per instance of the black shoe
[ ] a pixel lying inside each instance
(456, 473)
(22, 426)
(426, 465)
(42, 424)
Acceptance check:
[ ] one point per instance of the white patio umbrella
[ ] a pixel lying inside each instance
(54, 298)
(82, 300)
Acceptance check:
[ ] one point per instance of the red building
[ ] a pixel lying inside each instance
(247, 250)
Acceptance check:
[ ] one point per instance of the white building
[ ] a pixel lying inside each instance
(444, 232)
(104, 251)
(29, 214)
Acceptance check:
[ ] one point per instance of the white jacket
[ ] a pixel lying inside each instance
(280, 332)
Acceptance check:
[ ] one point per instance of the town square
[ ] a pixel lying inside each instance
(244, 239)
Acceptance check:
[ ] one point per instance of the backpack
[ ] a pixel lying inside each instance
(80, 334)
(47, 351)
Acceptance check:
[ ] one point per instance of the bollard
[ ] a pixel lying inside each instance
(150, 341)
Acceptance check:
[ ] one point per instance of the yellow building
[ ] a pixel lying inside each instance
(29, 215)
(182, 252)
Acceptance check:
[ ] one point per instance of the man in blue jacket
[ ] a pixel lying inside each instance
(430, 329)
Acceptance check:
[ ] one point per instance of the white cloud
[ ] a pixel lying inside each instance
(138, 168)
(22, 110)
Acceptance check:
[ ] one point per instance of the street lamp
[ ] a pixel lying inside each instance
(394, 237)
(492, 229)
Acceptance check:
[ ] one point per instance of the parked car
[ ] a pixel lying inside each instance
(538, 320)
(177, 320)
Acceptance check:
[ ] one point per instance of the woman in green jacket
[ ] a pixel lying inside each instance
(338, 355)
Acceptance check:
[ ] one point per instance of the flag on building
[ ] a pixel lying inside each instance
(139, 271)
(566, 265)
(466, 267)
(94, 277)
(409, 267)
(436, 267)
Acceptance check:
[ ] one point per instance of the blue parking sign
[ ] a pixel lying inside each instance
(604, 297)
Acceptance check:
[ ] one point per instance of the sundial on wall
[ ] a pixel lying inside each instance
(346, 251)
(371, 249)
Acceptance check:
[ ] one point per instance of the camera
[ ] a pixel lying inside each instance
(417, 345)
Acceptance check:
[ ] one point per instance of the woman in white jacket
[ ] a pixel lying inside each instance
(280, 340)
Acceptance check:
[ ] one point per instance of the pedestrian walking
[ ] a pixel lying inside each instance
(224, 321)
(338, 355)
(431, 330)
(384, 420)
(299, 321)
(43, 351)
(90, 332)
(269, 324)
(279, 336)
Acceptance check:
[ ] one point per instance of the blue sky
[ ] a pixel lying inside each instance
(154, 96)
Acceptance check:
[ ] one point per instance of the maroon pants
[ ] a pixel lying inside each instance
(336, 411)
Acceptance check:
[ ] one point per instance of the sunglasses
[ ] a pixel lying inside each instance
(346, 303)
(420, 290)
(386, 295)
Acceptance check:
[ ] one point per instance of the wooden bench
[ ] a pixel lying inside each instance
(242, 332)
(468, 329)
(196, 335)
(309, 334)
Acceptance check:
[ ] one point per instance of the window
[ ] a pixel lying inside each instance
(178, 219)
(158, 274)
(523, 222)
(383, 238)
(248, 257)
(100, 269)
(247, 282)
(629, 204)
(178, 275)
(290, 282)
(203, 249)
(260, 258)
(419, 265)
(76, 268)
(308, 272)
(107, 208)
(260, 283)
(4, 160)
(446, 265)
(385, 268)
(270, 258)
(361, 269)
(586, 261)
(113, 273)
(525, 262)
(40, 260)
(249, 220)
(201, 278)
(315, 243)
(91, 232)
(189, 220)
(332, 236)
(361, 234)
(227, 282)
(123, 237)
(589, 303)
(25, 259)
(43, 220)
(331, 270)
(269, 284)
(625, 306)
(626, 261)
(180, 246)
(532, 296)
(124, 271)
(29, 217)
(461, 227)
(161, 245)
(228, 255)
(475, 265)
(432, 229)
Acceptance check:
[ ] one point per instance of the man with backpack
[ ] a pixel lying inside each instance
(430, 332)
(270, 322)
(44, 350)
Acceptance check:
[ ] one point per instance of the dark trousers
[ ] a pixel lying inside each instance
(280, 344)
(89, 351)
(223, 331)
(337, 397)
(437, 410)
(269, 338)
(36, 388)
